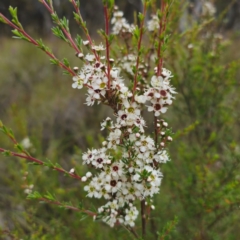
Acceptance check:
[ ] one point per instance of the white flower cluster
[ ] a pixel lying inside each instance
(153, 23)
(128, 164)
(161, 93)
(26, 143)
(120, 24)
(208, 9)
(28, 189)
(128, 62)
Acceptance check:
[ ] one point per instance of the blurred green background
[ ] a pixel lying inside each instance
(201, 183)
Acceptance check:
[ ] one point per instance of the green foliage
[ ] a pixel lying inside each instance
(59, 33)
(205, 164)
(168, 228)
(13, 12)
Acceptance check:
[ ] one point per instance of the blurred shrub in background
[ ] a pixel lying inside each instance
(40, 21)
(201, 184)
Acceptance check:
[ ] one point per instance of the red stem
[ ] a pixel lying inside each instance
(67, 34)
(156, 130)
(162, 26)
(32, 159)
(107, 45)
(85, 29)
(139, 46)
(92, 214)
(143, 216)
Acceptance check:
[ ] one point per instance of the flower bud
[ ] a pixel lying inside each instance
(88, 174)
(85, 42)
(75, 69)
(137, 135)
(131, 169)
(84, 179)
(169, 139)
(100, 210)
(129, 94)
(165, 124)
(80, 55)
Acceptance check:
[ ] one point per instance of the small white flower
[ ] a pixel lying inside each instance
(84, 179)
(80, 55)
(122, 116)
(89, 156)
(115, 72)
(131, 216)
(208, 9)
(140, 98)
(114, 138)
(158, 107)
(107, 122)
(145, 144)
(132, 109)
(120, 24)
(26, 143)
(113, 186)
(166, 74)
(100, 83)
(88, 174)
(153, 24)
(157, 81)
(98, 48)
(90, 57)
(165, 124)
(27, 191)
(100, 158)
(116, 169)
(161, 156)
(152, 207)
(85, 42)
(78, 82)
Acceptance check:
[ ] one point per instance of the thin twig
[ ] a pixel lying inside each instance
(139, 48)
(31, 40)
(39, 162)
(107, 45)
(92, 214)
(84, 28)
(132, 230)
(161, 30)
(66, 32)
(143, 216)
